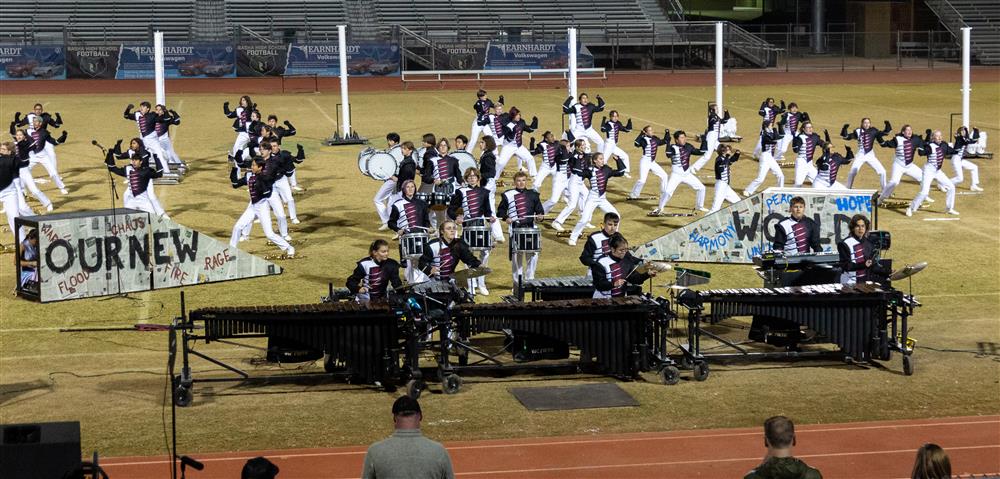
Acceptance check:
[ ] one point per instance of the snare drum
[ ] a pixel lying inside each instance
(380, 165)
(441, 197)
(411, 244)
(465, 160)
(479, 238)
(363, 159)
(526, 240)
(425, 197)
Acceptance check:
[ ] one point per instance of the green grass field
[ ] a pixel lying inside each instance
(114, 383)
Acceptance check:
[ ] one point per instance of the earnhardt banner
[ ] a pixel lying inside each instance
(515, 56)
(179, 61)
(32, 62)
(323, 59)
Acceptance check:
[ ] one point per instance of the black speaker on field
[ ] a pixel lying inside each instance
(39, 451)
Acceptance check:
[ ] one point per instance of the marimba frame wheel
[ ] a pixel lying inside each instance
(183, 396)
(908, 365)
(451, 383)
(670, 375)
(700, 371)
(414, 387)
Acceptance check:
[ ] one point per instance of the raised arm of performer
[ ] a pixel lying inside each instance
(797, 233)
(372, 276)
(612, 273)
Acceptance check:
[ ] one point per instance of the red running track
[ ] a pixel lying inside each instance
(883, 449)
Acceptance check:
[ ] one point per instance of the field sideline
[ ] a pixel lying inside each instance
(114, 382)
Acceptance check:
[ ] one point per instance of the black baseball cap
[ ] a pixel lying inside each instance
(405, 404)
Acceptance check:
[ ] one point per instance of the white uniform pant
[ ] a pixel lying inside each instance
(284, 191)
(293, 180)
(931, 173)
(645, 166)
(898, 170)
(491, 186)
(523, 155)
(168, 149)
(141, 202)
(589, 134)
(152, 144)
(157, 208)
(804, 170)
(274, 202)
(48, 163)
(524, 264)
(959, 164)
(382, 200)
(686, 178)
(711, 144)
(544, 171)
(22, 205)
(723, 192)
(51, 151)
(484, 258)
(869, 159)
(767, 164)
(242, 138)
(262, 211)
(576, 191)
(27, 181)
(9, 197)
(783, 142)
(821, 184)
(594, 201)
(610, 148)
(477, 129)
(559, 184)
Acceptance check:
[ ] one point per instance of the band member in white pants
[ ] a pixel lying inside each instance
(683, 171)
(724, 159)
(804, 145)
(470, 206)
(936, 151)
(649, 144)
(714, 129)
(384, 194)
(513, 133)
(260, 190)
(241, 117)
(577, 164)
(583, 118)
(518, 208)
(866, 135)
(613, 129)
(598, 174)
(958, 161)
(482, 108)
(768, 112)
(146, 120)
(769, 139)
(905, 146)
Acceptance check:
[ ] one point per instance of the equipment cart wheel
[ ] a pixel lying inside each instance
(670, 375)
(700, 371)
(908, 364)
(451, 383)
(182, 393)
(414, 387)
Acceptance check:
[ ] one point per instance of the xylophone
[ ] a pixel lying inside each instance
(563, 287)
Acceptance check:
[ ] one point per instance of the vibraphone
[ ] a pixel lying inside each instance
(363, 338)
(865, 321)
(563, 287)
(618, 336)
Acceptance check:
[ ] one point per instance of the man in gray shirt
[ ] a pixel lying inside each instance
(407, 453)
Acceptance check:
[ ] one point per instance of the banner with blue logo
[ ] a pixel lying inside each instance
(179, 61)
(323, 59)
(32, 62)
(518, 56)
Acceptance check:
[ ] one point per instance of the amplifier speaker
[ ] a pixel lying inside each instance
(39, 451)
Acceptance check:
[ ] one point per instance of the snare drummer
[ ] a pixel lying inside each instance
(519, 207)
(443, 253)
(612, 273)
(408, 213)
(372, 276)
(476, 210)
(384, 195)
(488, 170)
(441, 170)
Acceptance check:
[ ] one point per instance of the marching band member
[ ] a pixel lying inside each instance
(682, 171)
(241, 118)
(137, 149)
(10, 193)
(613, 129)
(474, 202)
(482, 108)
(408, 213)
(146, 120)
(768, 112)
(725, 157)
(768, 140)
(714, 129)
(935, 149)
(488, 171)
(797, 233)
(804, 145)
(614, 272)
(41, 144)
(518, 208)
(578, 164)
(407, 171)
(442, 254)
(22, 149)
(828, 164)
(906, 146)
(440, 170)
(493, 123)
(649, 144)
(866, 135)
(165, 119)
(47, 121)
(583, 118)
(513, 132)
(597, 243)
(383, 197)
(281, 132)
(139, 178)
(962, 140)
(259, 187)
(789, 124)
(462, 143)
(598, 174)
(555, 161)
(857, 253)
(372, 276)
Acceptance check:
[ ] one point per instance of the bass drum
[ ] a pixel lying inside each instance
(381, 165)
(363, 159)
(465, 160)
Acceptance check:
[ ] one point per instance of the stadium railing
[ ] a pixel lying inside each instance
(482, 76)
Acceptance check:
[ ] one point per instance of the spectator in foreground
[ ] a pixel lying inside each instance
(259, 468)
(931, 463)
(779, 438)
(407, 453)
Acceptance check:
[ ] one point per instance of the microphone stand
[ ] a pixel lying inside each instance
(114, 219)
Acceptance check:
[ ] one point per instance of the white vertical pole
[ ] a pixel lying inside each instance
(966, 84)
(718, 66)
(345, 104)
(571, 62)
(161, 95)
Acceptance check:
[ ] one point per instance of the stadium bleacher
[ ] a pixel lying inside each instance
(984, 18)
